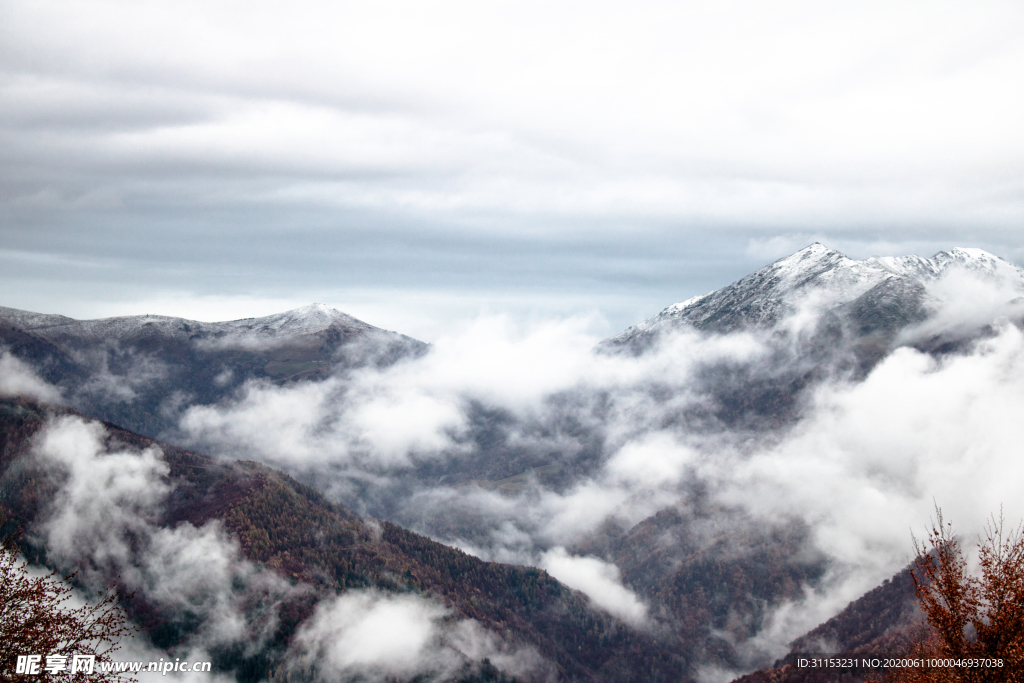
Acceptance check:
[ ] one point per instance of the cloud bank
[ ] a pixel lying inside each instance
(519, 445)
(105, 521)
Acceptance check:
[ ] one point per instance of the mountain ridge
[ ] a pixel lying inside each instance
(143, 371)
(295, 322)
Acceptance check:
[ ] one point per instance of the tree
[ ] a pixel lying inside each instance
(35, 619)
(969, 617)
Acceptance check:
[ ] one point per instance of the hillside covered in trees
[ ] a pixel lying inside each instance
(294, 531)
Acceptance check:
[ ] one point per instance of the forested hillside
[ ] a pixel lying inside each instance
(294, 531)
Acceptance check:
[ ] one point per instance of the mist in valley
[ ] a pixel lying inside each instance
(781, 452)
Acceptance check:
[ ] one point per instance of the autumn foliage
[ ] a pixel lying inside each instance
(969, 617)
(35, 618)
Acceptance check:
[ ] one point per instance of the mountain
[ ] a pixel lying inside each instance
(879, 296)
(274, 330)
(142, 371)
(882, 623)
(500, 477)
(823, 316)
(714, 574)
(315, 548)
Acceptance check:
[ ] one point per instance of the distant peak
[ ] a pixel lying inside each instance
(817, 248)
(809, 259)
(968, 253)
(812, 252)
(315, 308)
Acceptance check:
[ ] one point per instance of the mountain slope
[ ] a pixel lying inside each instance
(715, 574)
(883, 622)
(297, 533)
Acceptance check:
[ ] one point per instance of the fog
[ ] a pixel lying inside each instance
(372, 636)
(17, 378)
(104, 522)
(523, 443)
(538, 445)
(599, 580)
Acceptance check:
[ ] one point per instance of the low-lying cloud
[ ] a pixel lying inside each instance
(917, 429)
(373, 636)
(599, 580)
(597, 438)
(17, 378)
(104, 520)
(418, 408)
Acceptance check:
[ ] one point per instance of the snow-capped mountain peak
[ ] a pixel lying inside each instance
(823, 278)
(822, 267)
(966, 258)
(977, 260)
(299, 321)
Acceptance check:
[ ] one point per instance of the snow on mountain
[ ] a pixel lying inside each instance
(279, 327)
(823, 279)
(143, 371)
(305, 320)
(28, 320)
(308, 321)
(976, 261)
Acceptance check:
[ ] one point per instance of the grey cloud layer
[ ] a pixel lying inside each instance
(394, 149)
(297, 84)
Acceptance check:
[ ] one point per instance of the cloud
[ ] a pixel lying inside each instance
(368, 635)
(366, 630)
(964, 301)
(105, 498)
(104, 520)
(610, 428)
(485, 157)
(517, 444)
(599, 580)
(391, 416)
(650, 461)
(17, 378)
(917, 429)
(385, 417)
(607, 136)
(133, 370)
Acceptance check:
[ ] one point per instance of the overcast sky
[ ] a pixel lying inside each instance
(417, 163)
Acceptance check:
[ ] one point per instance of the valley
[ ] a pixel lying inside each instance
(697, 498)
